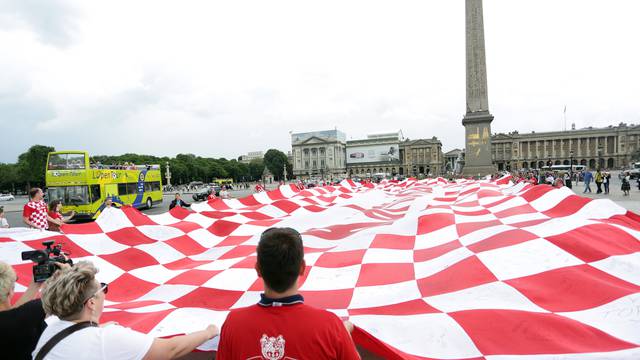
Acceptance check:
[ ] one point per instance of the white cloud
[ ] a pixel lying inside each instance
(223, 78)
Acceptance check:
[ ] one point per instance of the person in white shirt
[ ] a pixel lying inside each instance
(76, 297)
(4, 224)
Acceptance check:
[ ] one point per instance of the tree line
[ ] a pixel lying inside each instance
(29, 170)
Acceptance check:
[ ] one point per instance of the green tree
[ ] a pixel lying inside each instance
(256, 168)
(9, 178)
(275, 160)
(32, 165)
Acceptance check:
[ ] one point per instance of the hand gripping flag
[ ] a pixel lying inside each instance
(424, 269)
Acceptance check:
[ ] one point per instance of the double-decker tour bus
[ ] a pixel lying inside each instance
(82, 186)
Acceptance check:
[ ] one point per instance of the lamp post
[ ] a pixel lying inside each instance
(571, 164)
(168, 175)
(599, 157)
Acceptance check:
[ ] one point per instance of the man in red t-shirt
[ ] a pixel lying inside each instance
(281, 326)
(34, 213)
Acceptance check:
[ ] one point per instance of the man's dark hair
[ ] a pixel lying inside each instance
(33, 192)
(280, 254)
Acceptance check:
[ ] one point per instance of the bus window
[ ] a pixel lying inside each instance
(56, 193)
(66, 162)
(155, 186)
(77, 195)
(132, 188)
(69, 195)
(122, 189)
(147, 187)
(95, 193)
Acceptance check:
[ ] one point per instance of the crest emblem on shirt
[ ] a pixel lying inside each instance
(272, 347)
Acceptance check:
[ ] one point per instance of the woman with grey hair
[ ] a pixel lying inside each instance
(77, 299)
(21, 323)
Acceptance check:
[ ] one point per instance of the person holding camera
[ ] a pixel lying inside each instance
(77, 299)
(21, 323)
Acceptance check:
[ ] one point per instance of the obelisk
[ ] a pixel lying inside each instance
(477, 120)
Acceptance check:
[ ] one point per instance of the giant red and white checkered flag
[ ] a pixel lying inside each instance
(424, 269)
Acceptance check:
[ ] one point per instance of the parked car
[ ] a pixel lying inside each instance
(204, 193)
(6, 197)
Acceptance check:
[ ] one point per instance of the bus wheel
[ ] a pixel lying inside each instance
(149, 203)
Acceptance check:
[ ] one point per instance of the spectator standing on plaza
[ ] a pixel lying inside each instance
(598, 179)
(587, 177)
(558, 183)
(626, 185)
(212, 195)
(259, 188)
(567, 180)
(54, 213)
(281, 325)
(178, 202)
(34, 213)
(77, 299)
(21, 323)
(606, 181)
(550, 179)
(4, 224)
(224, 193)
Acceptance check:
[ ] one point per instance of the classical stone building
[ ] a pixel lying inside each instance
(319, 154)
(421, 156)
(609, 147)
(451, 161)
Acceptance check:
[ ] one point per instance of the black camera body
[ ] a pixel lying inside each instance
(45, 260)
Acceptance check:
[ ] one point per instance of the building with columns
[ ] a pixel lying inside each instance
(609, 147)
(451, 161)
(421, 157)
(319, 154)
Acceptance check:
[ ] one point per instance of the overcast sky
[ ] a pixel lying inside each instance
(221, 78)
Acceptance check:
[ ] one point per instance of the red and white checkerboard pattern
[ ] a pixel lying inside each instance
(424, 269)
(39, 215)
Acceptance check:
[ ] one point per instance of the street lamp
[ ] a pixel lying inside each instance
(600, 157)
(571, 164)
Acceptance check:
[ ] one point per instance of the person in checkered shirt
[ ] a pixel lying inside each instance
(35, 213)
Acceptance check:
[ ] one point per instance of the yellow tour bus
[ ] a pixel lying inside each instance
(221, 182)
(83, 187)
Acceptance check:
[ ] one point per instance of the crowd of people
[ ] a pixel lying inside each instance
(74, 298)
(601, 179)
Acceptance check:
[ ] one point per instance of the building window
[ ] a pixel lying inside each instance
(315, 164)
(306, 164)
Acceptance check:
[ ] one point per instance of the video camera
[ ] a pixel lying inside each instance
(45, 263)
